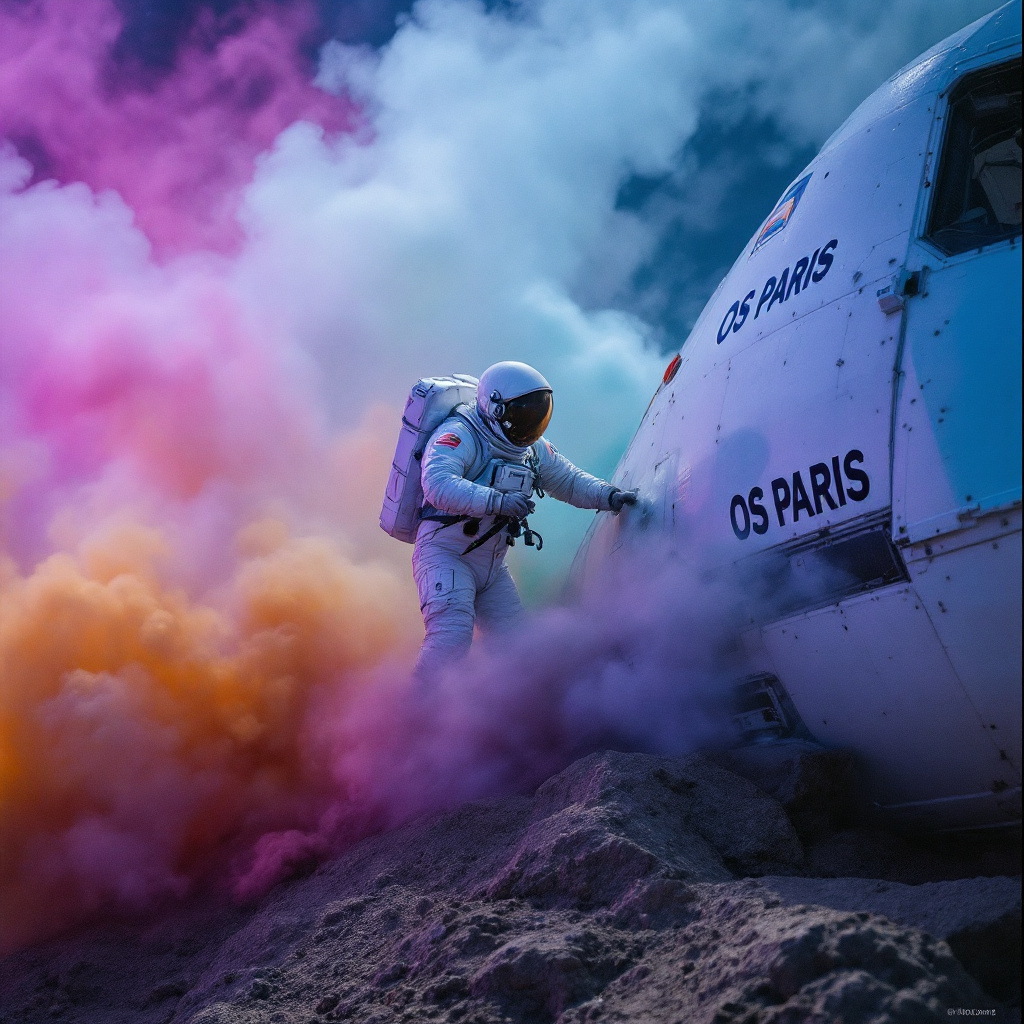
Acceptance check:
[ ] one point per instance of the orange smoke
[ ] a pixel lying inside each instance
(144, 735)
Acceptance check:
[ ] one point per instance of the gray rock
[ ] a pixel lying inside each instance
(656, 903)
(980, 918)
(540, 976)
(613, 818)
(749, 958)
(813, 783)
(607, 896)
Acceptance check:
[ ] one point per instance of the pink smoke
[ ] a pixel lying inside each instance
(178, 579)
(132, 380)
(179, 151)
(204, 637)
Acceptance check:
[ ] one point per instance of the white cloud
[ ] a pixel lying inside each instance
(497, 141)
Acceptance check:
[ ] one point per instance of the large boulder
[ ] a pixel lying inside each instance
(813, 784)
(747, 957)
(980, 918)
(608, 895)
(613, 818)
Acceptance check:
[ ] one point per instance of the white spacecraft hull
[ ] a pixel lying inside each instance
(845, 422)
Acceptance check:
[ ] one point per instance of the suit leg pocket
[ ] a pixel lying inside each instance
(436, 584)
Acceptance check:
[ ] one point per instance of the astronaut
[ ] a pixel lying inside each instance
(479, 472)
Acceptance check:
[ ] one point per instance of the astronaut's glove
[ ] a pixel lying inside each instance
(515, 505)
(618, 499)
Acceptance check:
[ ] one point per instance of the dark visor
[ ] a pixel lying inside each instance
(525, 418)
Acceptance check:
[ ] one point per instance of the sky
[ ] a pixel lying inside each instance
(232, 236)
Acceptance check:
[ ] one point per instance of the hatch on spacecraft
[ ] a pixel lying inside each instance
(845, 421)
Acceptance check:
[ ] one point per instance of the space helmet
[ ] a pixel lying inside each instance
(515, 401)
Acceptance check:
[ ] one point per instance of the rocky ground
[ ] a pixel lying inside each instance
(627, 888)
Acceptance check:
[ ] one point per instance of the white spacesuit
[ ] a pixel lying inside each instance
(479, 470)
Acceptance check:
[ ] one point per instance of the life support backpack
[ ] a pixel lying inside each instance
(430, 403)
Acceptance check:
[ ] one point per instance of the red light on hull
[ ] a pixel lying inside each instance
(672, 368)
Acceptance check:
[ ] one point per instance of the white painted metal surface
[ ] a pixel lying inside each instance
(848, 407)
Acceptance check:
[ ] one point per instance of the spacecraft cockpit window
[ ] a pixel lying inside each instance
(978, 192)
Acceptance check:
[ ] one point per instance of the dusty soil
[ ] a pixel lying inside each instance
(627, 888)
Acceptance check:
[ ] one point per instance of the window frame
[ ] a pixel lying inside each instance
(938, 159)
